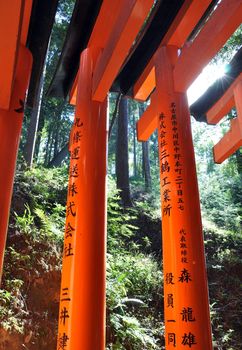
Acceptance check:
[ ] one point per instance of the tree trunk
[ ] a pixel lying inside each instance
(38, 136)
(146, 165)
(134, 146)
(145, 157)
(33, 127)
(238, 155)
(114, 115)
(122, 162)
(56, 137)
(47, 147)
(58, 159)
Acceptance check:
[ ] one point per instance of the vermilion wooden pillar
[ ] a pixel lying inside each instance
(82, 299)
(10, 130)
(187, 321)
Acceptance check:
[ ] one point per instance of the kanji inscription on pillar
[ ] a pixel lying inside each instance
(186, 309)
(70, 232)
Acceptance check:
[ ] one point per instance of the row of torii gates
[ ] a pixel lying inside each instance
(118, 52)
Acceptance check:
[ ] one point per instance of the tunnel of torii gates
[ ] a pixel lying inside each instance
(144, 49)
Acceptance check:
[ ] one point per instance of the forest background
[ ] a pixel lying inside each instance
(31, 282)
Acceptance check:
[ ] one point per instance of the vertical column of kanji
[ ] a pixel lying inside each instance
(82, 304)
(70, 242)
(187, 322)
(10, 130)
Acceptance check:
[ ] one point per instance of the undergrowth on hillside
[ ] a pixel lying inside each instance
(31, 281)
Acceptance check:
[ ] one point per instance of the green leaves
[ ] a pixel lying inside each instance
(134, 283)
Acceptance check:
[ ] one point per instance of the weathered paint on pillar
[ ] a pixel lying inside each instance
(82, 299)
(10, 130)
(187, 320)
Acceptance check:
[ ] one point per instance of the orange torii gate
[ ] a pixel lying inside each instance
(169, 69)
(15, 70)
(232, 140)
(187, 310)
(21, 60)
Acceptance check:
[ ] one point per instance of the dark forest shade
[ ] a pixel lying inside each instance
(122, 158)
(78, 34)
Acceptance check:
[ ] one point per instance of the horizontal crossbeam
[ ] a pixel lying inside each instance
(223, 105)
(232, 140)
(108, 14)
(181, 28)
(147, 124)
(218, 29)
(129, 22)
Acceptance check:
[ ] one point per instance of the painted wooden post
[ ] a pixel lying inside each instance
(10, 130)
(232, 140)
(187, 321)
(82, 299)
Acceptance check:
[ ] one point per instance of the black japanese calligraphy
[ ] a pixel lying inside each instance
(169, 278)
(165, 181)
(63, 341)
(167, 210)
(70, 210)
(170, 301)
(166, 195)
(65, 294)
(163, 143)
(77, 136)
(74, 171)
(72, 190)
(75, 154)
(185, 276)
(187, 314)
(165, 167)
(78, 123)
(163, 155)
(172, 339)
(188, 339)
(69, 230)
(64, 315)
(68, 250)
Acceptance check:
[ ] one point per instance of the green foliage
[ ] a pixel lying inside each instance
(25, 222)
(134, 284)
(131, 274)
(120, 228)
(224, 263)
(40, 187)
(231, 47)
(220, 184)
(134, 278)
(12, 306)
(33, 254)
(130, 334)
(134, 292)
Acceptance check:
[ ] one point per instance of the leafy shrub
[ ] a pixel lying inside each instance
(134, 284)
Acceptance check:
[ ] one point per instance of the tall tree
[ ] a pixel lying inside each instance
(134, 146)
(29, 147)
(122, 159)
(49, 124)
(145, 157)
(146, 165)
